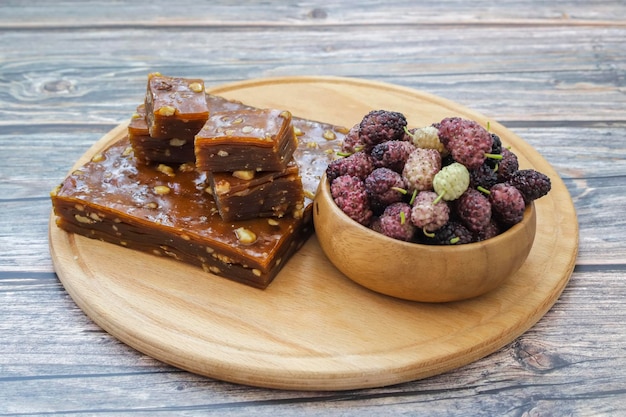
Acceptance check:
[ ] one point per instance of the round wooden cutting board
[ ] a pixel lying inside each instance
(313, 328)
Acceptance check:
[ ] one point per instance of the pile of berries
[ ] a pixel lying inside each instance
(452, 182)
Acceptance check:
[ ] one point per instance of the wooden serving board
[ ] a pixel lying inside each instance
(313, 328)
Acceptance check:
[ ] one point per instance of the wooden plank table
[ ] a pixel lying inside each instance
(554, 73)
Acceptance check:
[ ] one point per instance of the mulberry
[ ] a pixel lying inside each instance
(428, 215)
(384, 187)
(484, 176)
(426, 138)
(496, 148)
(491, 230)
(451, 181)
(350, 196)
(474, 210)
(380, 126)
(358, 164)
(391, 154)
(507, 165)
(507, 203)
(532, 184)
(395, 222)
(420, 169)
(351, 143)
(452, 233)
(466, 140)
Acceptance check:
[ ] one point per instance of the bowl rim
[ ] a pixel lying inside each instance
(324, 188)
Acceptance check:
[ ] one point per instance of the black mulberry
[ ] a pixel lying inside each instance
(384, 187)
(380, 126)
(507, 165)
(484, 176)
(532, 184)
(452, 233)
(391, 154)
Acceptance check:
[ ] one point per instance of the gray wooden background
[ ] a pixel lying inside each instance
(553, 72)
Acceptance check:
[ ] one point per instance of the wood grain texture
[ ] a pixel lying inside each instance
(38, 14)
(552, 72)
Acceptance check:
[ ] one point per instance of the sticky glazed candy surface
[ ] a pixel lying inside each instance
(175, 107)
(168, 212)
(247, 194)
(165, 209)
(259, 140)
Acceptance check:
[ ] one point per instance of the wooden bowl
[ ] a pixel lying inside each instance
(418, 272)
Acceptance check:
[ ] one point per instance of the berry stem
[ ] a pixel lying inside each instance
(427, 233)
(412, 200)
(493, 156)
(483, 190)
(400, 190)
(438, 199)
(406, 130)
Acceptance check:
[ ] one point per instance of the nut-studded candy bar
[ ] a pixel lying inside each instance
(173, 151)
(316, 139)
(170, 150)
(257, 140)
(175, 107)
(168, 212)
(248, 194)
(317, 142)
(148, 149)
